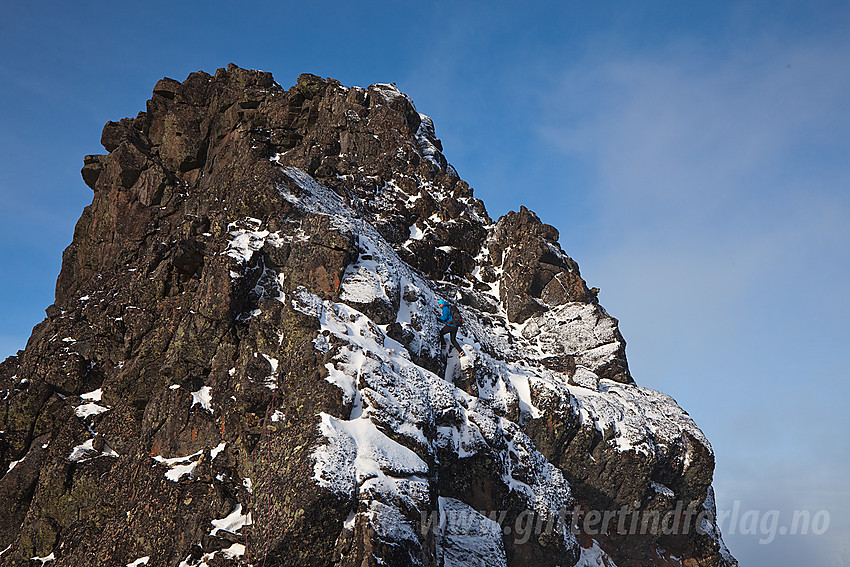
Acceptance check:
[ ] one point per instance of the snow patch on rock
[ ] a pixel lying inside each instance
(466, 538)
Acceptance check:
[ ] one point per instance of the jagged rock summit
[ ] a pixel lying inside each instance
(242, 365)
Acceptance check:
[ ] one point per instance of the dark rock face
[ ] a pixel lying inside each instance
(241, 364)
(541, 274)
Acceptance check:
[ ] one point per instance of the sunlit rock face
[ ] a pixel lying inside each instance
(243, 365)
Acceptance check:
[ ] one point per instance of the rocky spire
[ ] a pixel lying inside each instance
(242, 363)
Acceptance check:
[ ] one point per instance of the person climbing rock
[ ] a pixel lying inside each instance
(450, 317)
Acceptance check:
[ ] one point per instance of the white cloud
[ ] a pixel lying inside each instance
(682, 134)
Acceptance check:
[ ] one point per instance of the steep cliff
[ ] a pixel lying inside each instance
(242, 365)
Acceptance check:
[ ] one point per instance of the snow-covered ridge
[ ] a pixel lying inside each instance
(640, 418)
(426, 139)
(360, 461)
(387, 391)
(574, 328)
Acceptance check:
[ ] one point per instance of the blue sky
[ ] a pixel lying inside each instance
(694, 156)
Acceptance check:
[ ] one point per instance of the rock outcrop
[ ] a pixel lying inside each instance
(242, 364)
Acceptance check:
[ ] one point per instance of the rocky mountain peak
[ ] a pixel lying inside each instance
(243, 365)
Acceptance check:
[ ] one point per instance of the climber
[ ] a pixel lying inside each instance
(450, 316)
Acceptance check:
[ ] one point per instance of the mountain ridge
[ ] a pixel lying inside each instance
(243, 355)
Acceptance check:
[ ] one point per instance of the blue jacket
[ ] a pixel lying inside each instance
(446, 315)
